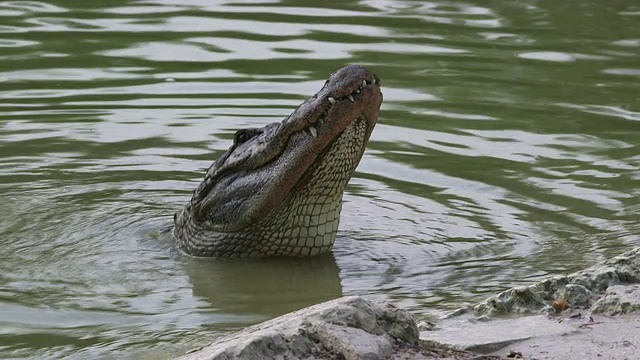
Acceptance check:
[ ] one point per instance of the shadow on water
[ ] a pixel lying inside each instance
(263, 288)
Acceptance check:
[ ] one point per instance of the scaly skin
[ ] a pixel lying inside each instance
(278, 190)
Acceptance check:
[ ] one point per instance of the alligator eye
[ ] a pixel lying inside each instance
(242, 136)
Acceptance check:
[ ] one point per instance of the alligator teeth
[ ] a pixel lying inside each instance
(364, 83)
(373, 81)
(350, 97)
(357, 91)
(313, 131)
(332, 100)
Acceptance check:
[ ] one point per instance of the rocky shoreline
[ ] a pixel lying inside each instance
(593, 313)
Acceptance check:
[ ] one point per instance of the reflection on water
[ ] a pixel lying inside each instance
(255, 288)
(507, 149)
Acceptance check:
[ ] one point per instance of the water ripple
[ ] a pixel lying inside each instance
(506, 150)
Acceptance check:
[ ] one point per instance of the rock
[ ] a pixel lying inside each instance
(351, 328)
(619, 299)
(483, 337)
(603, 338)
(579, 289)
(560, 305)
(577, 295)
(564, 332)
(346, 328)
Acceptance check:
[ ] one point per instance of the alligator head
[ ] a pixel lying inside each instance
(278, 189)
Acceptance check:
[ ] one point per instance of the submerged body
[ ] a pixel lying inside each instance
(278, 190)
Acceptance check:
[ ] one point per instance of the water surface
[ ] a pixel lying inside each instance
(507, 150)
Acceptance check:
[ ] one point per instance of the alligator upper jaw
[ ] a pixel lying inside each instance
(254, 177)
(350, 92)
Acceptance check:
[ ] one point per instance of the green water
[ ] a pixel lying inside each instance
(507, 149)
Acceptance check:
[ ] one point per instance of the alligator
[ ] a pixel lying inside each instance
(277, 191)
